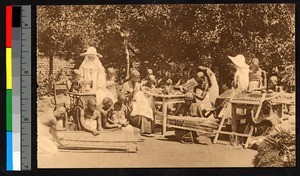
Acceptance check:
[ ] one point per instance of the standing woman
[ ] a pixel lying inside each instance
(141, 113)
(93, 73)
(240, 82)
(241, 76)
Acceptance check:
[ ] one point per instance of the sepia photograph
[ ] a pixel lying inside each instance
(166, 86)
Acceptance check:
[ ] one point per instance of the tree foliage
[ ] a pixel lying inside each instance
(168, 37)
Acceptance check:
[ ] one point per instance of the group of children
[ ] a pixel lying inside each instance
(201, 92)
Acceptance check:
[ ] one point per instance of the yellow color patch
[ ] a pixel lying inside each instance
(8, 68)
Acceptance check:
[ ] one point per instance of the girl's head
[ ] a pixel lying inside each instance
(201, 81)
(273, 81)
(254, 65)
(107, 103)
(135, 76)
(167, 75)
(121, 97)
(267, 107)
(91, 103)
(117, 106)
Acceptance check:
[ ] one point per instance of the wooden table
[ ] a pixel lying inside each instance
(165, 100)
(248, 105)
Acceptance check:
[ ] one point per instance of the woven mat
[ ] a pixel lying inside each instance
(107, 136)
(205, 124)
(279, 97)
(106, 142)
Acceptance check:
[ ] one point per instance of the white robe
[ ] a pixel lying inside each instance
(92, 70)
(242, 75)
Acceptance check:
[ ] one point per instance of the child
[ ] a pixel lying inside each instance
(151, 83)
(75, 85)
(105, 110)
(119, 113)
(90, 117)
(273, 85)
(202, 98)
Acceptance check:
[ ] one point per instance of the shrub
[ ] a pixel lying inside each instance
(277, 151)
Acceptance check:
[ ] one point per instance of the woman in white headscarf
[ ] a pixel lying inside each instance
(240, 83)
(241, 76)
(92, 72)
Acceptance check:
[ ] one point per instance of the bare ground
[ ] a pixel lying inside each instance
(156, 152)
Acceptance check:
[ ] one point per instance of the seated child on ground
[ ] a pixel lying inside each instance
(268, 120)
(119, 113)
(105, 110)
(63, 104)
(90, 117)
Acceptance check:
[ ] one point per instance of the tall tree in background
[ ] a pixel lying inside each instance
(171, 36)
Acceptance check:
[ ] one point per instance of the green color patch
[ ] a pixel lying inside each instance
(9, 110)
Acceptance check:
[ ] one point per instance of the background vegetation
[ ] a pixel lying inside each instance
(169, 37)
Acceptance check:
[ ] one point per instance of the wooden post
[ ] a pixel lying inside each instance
(164, 121)
(233, 117)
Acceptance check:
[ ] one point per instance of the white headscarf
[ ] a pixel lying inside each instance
(242, 71)
(92, 70)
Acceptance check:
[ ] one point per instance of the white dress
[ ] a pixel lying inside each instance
(92, 70)
(140, 103)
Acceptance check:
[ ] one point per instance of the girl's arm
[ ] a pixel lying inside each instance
(107, 120)
(203, 94)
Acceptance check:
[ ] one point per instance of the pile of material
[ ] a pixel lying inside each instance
(195, 123)
(280, 97)
(107, 141)
(161, 91)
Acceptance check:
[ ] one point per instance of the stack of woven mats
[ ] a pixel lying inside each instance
(106, 142)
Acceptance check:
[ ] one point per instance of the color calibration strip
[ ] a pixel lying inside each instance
(14, 88)
(9, 136)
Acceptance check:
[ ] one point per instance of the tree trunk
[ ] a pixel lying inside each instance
(127, 58)
(51, 58)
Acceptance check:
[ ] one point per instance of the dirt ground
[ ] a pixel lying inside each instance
(159, 151)
(156, 151)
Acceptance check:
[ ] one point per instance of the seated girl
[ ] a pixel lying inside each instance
(90, 117)
(119, 114)
(202, 98)
(257, 77)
